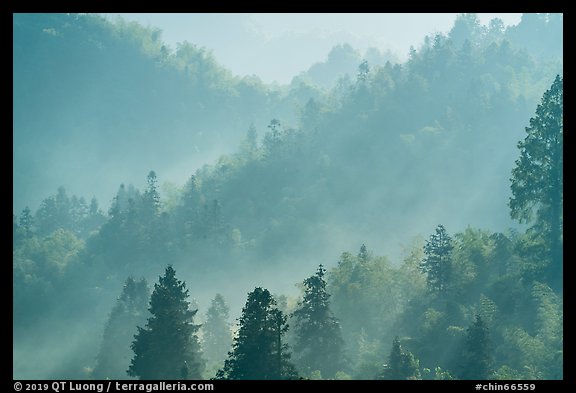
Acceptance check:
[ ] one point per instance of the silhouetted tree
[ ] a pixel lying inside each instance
(477, 360)
(401, 363)
(258, 351)
(319, 343)
(437, 263)
(168, 348)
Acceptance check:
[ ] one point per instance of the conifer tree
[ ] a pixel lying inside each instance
(537, 180)
(401, 363)
(477, 360)
(258, 351)
(319, 343)
(168, 348)
(437, 263)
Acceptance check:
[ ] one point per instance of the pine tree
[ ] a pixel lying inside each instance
(129, 312)
(151, 197)
(168, 348)
(477, 361)
(537, 180)
(217, 337)
(401, 363)
(319, 343)
(437, 263)
(363, 255)
(26, 221)
(258, 351)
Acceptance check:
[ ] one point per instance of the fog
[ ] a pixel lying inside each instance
(244, 150)
(263, 44)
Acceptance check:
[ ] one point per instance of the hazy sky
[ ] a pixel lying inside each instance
(279, 46)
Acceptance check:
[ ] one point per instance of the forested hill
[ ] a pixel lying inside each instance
(310, 175)
(387, 143)
(107, 98)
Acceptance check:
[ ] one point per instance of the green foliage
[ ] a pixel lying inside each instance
(439, 374)
(437, 264)
(319, 343)
(342, 376)
(294, 194)
(539, 346)
(363, 295)
(477, 357)
(401, 364)
(168, 348)
(537, 179)
(62, 212)
(258, 351)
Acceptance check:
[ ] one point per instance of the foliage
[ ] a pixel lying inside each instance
(437, 264)
(477, 358)
(356, 165)
(401, 364)
(319, 343)
(537, 179)
(258, 351)
(168, 348)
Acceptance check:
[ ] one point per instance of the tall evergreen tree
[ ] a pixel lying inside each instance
(537, 179)
(319, 343)
(168, 348)
(217, 337)
(401, 363)
(258, 351)
(477, 361)
(437, 262)
(129, 312)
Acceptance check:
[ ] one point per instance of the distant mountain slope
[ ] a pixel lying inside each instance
(95, 101)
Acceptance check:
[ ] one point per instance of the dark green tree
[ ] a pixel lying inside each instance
(401, 363)
(437, 263)
(537, 179)
(217, 337)
(129, 312)
(319, 343)
(258, 351)
(168, 348)
(477, 359)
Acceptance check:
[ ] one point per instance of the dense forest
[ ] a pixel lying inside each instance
(374, 219)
